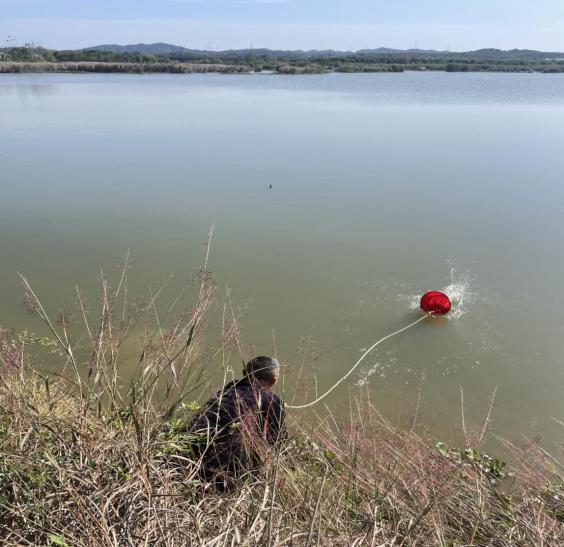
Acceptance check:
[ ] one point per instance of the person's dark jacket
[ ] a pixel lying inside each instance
(237, 425)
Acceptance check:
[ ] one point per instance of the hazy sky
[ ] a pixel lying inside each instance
(292, 24)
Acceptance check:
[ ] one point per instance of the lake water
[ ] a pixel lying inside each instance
(383, 186)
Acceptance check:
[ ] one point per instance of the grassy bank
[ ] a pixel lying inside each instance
(84, 460)
(126, 68)
(170, 67)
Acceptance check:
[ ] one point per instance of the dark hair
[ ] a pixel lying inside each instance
(262, 368)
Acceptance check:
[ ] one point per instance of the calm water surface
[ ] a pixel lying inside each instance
(383, 187)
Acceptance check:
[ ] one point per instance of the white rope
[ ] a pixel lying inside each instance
(296, 407)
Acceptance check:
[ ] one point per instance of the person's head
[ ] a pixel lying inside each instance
(265, 370)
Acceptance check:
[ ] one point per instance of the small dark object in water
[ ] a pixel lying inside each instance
(436, 302)
(270, 187)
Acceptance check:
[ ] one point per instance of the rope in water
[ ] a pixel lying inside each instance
(321, 397)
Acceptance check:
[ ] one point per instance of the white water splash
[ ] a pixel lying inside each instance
(459, 290)
(386, 365)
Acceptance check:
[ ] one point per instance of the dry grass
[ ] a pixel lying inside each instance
(84, 461)
(99, 66)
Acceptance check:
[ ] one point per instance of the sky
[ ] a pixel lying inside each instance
(458, 25)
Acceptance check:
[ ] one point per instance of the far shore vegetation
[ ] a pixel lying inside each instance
(173, 59)
(85, 459)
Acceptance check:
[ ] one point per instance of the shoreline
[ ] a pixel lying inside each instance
(100, 67)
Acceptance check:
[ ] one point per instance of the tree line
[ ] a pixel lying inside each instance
(283, 62)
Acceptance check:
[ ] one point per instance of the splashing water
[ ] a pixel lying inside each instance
(459, 290)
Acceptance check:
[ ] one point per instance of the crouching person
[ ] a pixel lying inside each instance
(237, 426)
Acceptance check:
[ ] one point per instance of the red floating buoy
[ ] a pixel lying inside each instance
(436, 302)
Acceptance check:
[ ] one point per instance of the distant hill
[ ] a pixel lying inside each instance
(489, 54)
(170, 49)
(387, 50)
(146, 49)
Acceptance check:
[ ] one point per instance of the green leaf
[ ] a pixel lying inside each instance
(442, 448)
(330, 455)
(55, 539)
(194, 406)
